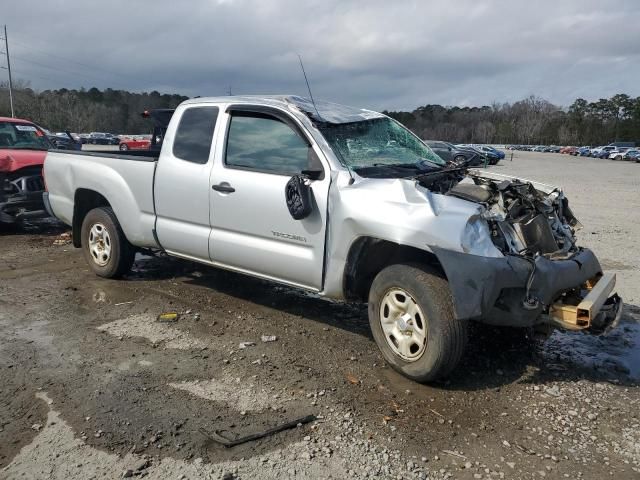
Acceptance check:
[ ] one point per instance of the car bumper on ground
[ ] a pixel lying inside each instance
(494, 290)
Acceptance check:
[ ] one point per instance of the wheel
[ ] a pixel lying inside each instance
(104, 245)
(123, 147)
(459, 158)
(413, 322)
(618, 157)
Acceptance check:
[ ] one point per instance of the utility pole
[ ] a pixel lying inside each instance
(6, 49)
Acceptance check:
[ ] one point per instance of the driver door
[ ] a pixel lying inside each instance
(252, 230)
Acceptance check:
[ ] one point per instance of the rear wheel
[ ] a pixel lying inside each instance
(104, 245)
(413, 322)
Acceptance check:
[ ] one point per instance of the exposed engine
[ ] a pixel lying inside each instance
(523, 219)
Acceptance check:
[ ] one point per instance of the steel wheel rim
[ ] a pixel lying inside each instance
(404, 326)
(100, 244)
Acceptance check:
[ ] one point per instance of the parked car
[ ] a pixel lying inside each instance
(491, 151)
(488, 157)
(598, 152)
(584, 152)
(138, 142)
(99, 138)
(453, 154)
(23, 147)
(64, 141)
(632, 154)
(429, 246)
(539, 148)
(618, 153)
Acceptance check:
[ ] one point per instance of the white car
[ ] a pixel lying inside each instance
(618, 153)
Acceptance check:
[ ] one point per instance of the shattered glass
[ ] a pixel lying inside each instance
(378, 141)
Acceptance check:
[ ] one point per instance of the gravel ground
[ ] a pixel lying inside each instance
(93, 386)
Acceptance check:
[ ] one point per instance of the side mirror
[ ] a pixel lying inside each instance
(297, 193)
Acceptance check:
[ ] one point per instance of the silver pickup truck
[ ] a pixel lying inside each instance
(347, 203)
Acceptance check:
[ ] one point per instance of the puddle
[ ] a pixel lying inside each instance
(619, 351)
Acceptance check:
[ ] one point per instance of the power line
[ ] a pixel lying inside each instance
(44, 65)
(67, 59)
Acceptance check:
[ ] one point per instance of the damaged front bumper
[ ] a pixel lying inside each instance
(514, 291)
(21, 204)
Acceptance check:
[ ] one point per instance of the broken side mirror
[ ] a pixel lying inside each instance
(297, 192)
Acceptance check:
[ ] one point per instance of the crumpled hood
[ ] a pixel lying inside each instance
(498, 177)
(13, 160)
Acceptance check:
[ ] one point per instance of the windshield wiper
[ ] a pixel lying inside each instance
(412, 166)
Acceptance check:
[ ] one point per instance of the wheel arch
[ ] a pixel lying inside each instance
(84, 201)
(369, 255)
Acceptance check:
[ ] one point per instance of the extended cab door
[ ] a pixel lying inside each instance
(251, 227)
(181, 186)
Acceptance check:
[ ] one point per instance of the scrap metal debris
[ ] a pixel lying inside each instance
(268, 338)
(227, 443)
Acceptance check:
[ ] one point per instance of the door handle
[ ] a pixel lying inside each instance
(223, 187)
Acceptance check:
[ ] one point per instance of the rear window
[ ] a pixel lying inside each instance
(195, 133)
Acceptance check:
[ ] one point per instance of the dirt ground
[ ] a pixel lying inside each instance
(93, 386)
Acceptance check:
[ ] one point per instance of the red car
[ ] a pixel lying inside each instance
(569, 150)
(134, 143)
(23, 147)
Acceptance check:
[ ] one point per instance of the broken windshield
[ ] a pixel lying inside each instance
(378, 142)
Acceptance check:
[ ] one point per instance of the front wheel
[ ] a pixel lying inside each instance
(104, 245)
(124, 147)
(413, 322)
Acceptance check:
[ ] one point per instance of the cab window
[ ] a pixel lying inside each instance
(263, 143)
(195, 133)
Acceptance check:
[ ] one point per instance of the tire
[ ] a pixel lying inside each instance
(459, 158)
(123, 147)
(445, 337)
(104, 245)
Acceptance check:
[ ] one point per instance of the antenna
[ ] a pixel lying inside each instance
(308, 87)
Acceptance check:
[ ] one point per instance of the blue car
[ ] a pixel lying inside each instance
(492, 154)
(584, 151)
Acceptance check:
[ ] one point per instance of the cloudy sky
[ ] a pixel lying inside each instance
(379, 54)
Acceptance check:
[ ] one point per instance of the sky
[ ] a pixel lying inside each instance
(378, 54)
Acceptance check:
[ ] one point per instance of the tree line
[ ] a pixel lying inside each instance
(529, 121)
(92, 110)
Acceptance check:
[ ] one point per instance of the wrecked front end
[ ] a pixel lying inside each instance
(541, 276)
(21, 195)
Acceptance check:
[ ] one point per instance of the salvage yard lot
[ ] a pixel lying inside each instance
(93, 386)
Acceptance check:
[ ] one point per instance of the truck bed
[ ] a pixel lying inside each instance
(125, 180)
